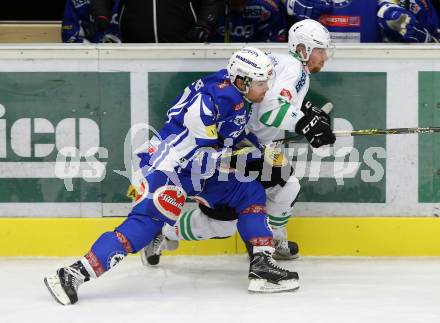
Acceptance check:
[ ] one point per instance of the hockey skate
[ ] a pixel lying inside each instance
(65, 283)
(150, 255)
(285, 250)
(265, 276)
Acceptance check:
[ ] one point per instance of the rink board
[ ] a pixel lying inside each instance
(379, 196)
(317, 236)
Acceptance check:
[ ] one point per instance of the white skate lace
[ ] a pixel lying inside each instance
(274, 263)
(159, 242)
(75, 279)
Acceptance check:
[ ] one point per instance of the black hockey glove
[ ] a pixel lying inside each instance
(198, 34)
(98, 25)
(102, 23)
(315, 126)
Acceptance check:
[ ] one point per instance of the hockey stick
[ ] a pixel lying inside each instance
(370, 132)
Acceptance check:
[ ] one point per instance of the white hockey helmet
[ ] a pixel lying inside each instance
(250, 64)
(312, 35)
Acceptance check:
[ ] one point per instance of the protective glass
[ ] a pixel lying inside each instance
(325, 52)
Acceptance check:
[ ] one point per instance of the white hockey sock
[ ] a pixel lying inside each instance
(170, 232)
(258, 249)
(195, 225)
(279, 233)
(184, 226)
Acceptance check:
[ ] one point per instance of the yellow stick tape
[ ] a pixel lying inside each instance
(323, 236)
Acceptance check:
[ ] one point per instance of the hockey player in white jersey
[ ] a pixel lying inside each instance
(283, 108)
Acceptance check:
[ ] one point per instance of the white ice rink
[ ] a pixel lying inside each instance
(214, 289)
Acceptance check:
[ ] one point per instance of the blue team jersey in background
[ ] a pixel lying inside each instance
(78, 28)
(260, 21)
(353, 21)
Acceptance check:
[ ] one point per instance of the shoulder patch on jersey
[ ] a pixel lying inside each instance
(169, 200)
(211, 131)
(286, 94)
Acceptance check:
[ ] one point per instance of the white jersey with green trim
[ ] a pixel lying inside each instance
(281, 108)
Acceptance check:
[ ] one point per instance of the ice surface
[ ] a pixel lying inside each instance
(214, 289)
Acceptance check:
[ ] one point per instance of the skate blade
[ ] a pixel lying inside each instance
(282, 257)
(264, 286)
(147, 261)
(53, 284)
(143, 258)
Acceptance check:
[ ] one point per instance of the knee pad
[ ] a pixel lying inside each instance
(107, 251)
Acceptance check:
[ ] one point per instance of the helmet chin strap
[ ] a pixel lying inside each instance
(245, 98)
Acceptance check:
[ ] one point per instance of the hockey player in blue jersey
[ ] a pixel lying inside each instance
(181, 162)
(409, 21)
(78, 26)
(251, 21)
(350, 21)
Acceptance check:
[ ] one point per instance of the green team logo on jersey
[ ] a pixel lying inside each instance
(62, 135)
(275, 117)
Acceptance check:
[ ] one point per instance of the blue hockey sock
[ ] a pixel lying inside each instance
(253, 225)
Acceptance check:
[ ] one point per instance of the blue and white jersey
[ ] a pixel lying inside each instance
(259, 21)
(77, 26)
(209, 113)
(426, 15)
